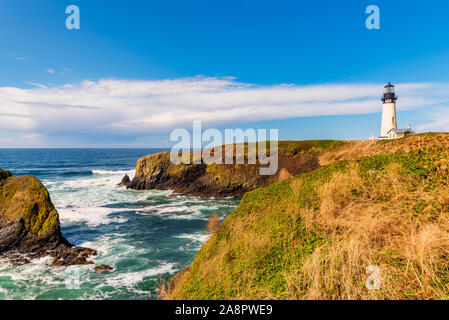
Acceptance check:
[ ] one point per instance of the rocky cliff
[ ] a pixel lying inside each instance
(29, 224)
(371, 224)
(156, 171)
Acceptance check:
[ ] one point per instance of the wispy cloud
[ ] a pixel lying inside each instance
(37, 85)
(50, 71)
(65, 70)
(13, 115)
(439, 120)
(16, 57)
(126, 107)
(55, 105)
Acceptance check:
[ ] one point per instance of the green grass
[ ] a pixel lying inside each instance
(278, 244)
(305, 147)
(309, 147)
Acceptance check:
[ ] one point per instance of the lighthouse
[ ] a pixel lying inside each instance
(389, 128)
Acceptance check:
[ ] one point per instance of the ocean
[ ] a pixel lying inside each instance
(146, 236)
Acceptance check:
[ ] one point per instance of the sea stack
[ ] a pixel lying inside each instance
(29, 224)
(125, 181)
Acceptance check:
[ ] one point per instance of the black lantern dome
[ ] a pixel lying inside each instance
(389, 95)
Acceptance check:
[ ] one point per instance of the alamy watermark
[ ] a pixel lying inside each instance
(260, 149)
(373, 20)
(73, 20)
(373, 281)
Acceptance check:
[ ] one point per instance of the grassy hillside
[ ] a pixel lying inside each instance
(312, 236)
(309, 147)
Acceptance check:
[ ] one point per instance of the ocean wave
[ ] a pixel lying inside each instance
(112, 172)
(92, 216)
(92, 191)
(188, 209)
(133, 278)
(38, 280)
(200, 237)
(108, 246)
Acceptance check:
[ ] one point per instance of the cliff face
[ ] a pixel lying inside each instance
(156, 171)
(377, 219)
(29, 224)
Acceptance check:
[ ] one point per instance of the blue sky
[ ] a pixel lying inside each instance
(138, 69)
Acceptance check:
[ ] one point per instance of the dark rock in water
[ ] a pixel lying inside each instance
(103, 268)
(29, 224)
(125, 181)
(77, 255)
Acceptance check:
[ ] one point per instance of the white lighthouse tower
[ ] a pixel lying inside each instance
(389, 128)
(389, 120)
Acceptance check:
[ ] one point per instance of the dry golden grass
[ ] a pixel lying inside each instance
(354, 149)
(165, 288)
(213, 223)
(371, 230)
(283, 174)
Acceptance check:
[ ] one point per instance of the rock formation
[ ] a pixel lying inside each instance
(29, 224)
(125, 181)
(103, 268)
(156, 171)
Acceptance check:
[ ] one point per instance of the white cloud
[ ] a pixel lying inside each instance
(50, 71)
(439, 120)
(16, 57)
(37, 85)
(127, 107)
(6, 141)
(31, 136)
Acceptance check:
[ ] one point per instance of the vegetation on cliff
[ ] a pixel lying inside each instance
(312, 236)
(156, 171)
(29, 223)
